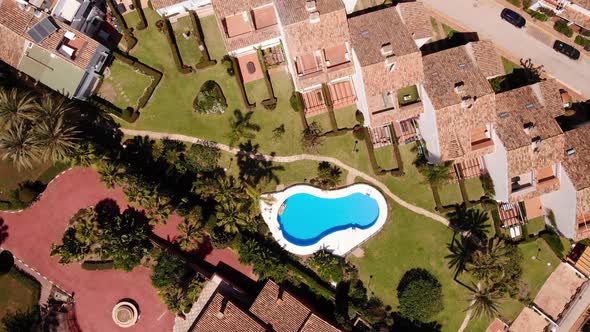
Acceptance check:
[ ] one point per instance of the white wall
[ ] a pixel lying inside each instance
(497, 166)
(421, 42)
(254, 47)
(563, 204)
(359, 85)
(349, 5)
(428, 128)
(183, 7)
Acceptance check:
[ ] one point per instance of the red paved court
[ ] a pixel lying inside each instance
(31, 233)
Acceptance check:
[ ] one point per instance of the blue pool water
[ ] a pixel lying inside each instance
(306, 218)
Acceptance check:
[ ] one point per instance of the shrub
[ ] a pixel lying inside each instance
(6, 261)
(206, 60)
(97, 265)
(182, 68)
(26, 195)
(142, 24)
(547, 11)
(360, 118)
(562, 27)
(210, 99)
(526, 4)
(270, 104)
(515, 2)
(537, 15)
(586, 33)
(488, 185)
(582, 41)
(295, 102)
(420, 295)
(328, 266)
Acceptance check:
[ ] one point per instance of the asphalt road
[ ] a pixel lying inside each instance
(483, 17)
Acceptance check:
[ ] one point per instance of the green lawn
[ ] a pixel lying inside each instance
(474, 188)
(509, 66)
(131, 18)
(257, 91)
(535, 225)
(450, 194)
(346, 117)
(127, 84)
(411, 91)
(385, 158)
(170, 109)
(323, 120)
(409, 241)
(11, 176)
(17, 292)
(189, 50)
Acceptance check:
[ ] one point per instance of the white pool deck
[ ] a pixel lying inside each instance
(340, 242)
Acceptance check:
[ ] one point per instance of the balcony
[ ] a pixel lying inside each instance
(482, 144)
(546, 178)
(237, 25)
(308, 65)
(480, 138)
(337, 57)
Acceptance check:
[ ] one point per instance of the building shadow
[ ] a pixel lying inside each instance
(456, 39)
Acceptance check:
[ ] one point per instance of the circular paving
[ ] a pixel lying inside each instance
(125, 314)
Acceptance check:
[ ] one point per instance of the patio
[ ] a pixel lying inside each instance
(342, 94)
(314, 102)
(250, 68)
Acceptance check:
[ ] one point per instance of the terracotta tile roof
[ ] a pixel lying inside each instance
(233, 319)
(558, 290)
(446, 69)
(159, 4)
(286, 314)
(488, 60)
(576, 165)
(294, 11)
(20, 21)
(416, 19)
(12, 46)
(582, 3)
(316, 324)
(519, 108)
(497, 326)
(370, 31)
(529, 321)
(550, 92)
(576, 16)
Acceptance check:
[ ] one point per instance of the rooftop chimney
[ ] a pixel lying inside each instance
(310, 6)
(466, 102)
(459, 87)
(280, 294)
(221, 313)
(528, 127)
(390, 61)
(314, 17)
(386, 49)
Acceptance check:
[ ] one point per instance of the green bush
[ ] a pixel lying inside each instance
(360, 118)
(328, 266)
(516, 3)
(270, 104)
(537, 15)
(582, 41)
(144, 69)
(210, 99)
(169, 32)
(547, 11)
(562, 27)
(586, 33)
(487, 185)
(143, 23)
(26, 195)
(420, 295)
(238, 75)
(296, 102)
(97, 265)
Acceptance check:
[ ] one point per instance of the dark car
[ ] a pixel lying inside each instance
(513, 17)
(566, 49)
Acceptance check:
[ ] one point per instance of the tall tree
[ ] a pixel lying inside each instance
(473, 221)
(484, 302)
(328, 175)
(232, 217)
(460, 256)
(311, 137)
(16, 106)
(438, 174)
(190, 229)
(241, 127)
(19, 146)
(56, 139)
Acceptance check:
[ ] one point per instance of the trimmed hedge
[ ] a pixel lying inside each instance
(97, 265)
(143, 23)
(167, 29)
(130, 39)
(240, 81)
(563, 28)
(582, 41)
(144, 69)
(537, 15)
(270, 103)
(206, 60)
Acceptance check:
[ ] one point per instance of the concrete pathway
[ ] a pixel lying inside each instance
(352, 172)
(483, 17)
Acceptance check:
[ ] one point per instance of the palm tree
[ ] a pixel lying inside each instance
(191, 235)
(460, 256)
(436, 176)
(484, 302)
(232, 217)
(473, 221)
(256, 196)
(484, 267)
(111, 173)
(15, 106)
(19, 146)
(52, 107)
(241, 127)
(56, 139)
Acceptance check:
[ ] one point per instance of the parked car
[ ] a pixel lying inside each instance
(513, 18)
(566, 49)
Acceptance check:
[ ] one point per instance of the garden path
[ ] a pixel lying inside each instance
(288, 159)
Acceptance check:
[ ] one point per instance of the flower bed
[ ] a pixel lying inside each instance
(210, 99)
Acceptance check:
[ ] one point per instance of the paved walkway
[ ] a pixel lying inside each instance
(483, 16)
(352, 172)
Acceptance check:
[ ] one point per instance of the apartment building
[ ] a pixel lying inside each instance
(48, 50)
(459, 103)
(389, 72)
(318, 49)
(529, 142)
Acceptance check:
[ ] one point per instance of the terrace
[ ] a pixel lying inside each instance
(239, 24)
(314, 102)
(337, 57)
(480, 138)
(264, 16)
(342, 94)
(308, 64)
(546, 178)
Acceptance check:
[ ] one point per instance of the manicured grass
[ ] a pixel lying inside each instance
(509, 66)
(131, 19)
(346, 116)
(170, 109)
(323, 120)
(450, 194)
(410, 91)
(385, 158)
(535, 225)
(17, 293)
(410, 241)
(189, 51)
(474, 188)
(256, 91)
(127, 84)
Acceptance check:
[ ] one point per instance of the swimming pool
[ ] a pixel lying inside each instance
(306, 218)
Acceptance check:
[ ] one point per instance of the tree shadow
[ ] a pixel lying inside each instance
(254, 167)
(107, 209)
(403, 324)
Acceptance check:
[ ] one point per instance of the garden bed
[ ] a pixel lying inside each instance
(125, 86)
(210, 99)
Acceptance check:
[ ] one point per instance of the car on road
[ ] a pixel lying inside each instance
(513, 17)
(566, 49)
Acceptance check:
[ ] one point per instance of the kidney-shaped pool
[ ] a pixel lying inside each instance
(305, 219)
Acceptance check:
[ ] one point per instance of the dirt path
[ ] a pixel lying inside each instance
(352, 172)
